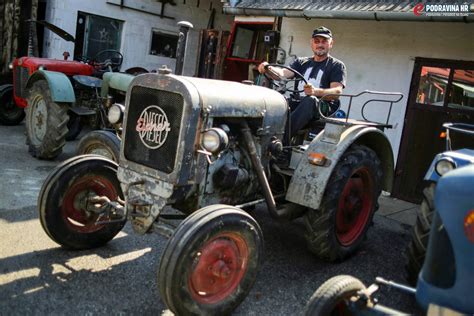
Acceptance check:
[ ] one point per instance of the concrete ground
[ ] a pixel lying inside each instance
(398, 210)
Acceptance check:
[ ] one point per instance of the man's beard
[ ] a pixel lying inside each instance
(322, 52)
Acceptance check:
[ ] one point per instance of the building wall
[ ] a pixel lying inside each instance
(380, 55)
(137, 28)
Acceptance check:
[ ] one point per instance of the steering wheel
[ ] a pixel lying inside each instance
(108, 58)
(281, 82)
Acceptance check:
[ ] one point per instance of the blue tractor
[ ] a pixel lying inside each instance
(442, 163)
(446, 278)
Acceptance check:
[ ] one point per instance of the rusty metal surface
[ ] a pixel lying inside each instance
(190, 182)
(309, 181)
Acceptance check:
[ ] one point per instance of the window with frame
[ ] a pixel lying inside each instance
(163, 44)
(96, 33)
(433, 88)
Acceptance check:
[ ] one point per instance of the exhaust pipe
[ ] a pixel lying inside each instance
(184, 28)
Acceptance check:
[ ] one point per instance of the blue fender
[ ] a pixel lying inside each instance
(59, 84)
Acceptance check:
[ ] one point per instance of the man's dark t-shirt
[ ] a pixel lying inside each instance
(320, 74)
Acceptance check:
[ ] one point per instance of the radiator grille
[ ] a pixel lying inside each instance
(153, 125)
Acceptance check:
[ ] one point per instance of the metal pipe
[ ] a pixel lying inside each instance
(401, 287)
(257, 165)
(184, 27)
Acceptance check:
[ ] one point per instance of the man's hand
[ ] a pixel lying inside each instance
(310, 90)
(261, 67)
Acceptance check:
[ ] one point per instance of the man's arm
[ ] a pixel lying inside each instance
(334, 88)
(272, 71)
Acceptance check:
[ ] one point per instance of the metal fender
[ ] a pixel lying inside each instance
(309, 181)
(115, 80)
(59, 85)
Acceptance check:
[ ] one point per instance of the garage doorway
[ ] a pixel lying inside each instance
(441, 91)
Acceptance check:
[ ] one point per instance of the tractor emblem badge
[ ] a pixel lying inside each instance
(153, 127)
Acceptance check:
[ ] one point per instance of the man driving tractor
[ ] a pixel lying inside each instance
(324, 74)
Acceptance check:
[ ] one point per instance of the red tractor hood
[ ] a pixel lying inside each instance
(68, 67)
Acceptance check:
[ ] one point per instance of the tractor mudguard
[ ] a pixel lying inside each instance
(115, 80)
(59, 85)
(309, 181)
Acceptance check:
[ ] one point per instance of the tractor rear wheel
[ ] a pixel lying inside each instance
(65, 213)
(102, 143)
(210, 263)
(46, 123)
(416, 250)
(10, 113)
(337, 229)
(333, 296)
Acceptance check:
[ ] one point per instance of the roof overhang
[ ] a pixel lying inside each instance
(299, 9)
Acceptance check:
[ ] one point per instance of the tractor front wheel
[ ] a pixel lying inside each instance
(337, 229)
(10, 113)
(46, 123)
(211, 261)
(333, 296)
(66, 211)
(103, 143)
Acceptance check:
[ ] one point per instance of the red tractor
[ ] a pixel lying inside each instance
(59, 96)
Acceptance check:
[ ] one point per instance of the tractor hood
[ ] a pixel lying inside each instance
(68, 67)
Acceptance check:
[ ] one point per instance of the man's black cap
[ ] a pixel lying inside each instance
(322, 31)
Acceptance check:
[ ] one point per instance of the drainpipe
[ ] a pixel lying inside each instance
(347, 15)
(184, 28)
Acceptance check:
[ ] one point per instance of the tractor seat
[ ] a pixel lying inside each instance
(88, 81)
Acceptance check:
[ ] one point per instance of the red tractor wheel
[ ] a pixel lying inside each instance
(211, 261)
(10, 113)
(338, 228)
(67, 215)
(46, 123)
(333, 296)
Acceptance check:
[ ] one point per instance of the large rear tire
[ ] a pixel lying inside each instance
(63, 210)
(332, 297)
(416, 250)
(337, 229)
(103, 143)
(211, 261)
(10, 113)
(46, 123)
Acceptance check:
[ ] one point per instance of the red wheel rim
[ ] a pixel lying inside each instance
(354, 207)
(218, 268)
(73, 208)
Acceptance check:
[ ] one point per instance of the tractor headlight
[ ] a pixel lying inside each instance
(115, 114)
(214, 140)
(10, 66)
(444, 165)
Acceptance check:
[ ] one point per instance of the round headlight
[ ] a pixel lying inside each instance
(10, 66)
(115, 113)
(444, 165)
(214, 140)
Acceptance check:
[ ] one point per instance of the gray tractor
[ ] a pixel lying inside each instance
(205, 151)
